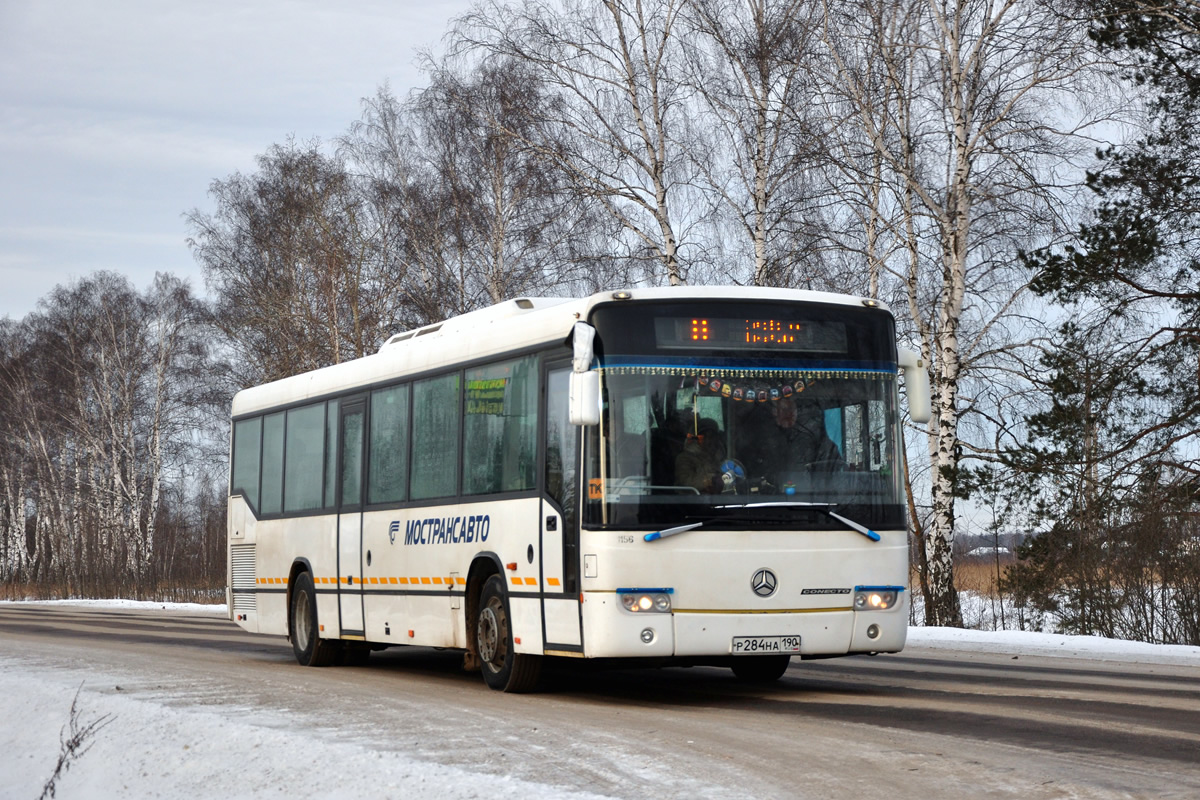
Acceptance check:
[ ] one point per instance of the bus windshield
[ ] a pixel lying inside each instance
(741, 415)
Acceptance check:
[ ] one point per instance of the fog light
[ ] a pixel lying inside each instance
(872, 631)
(641, 601)
(875, 598)
(647, 635)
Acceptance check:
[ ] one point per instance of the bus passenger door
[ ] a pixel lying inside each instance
(560, 515)
(351, 434)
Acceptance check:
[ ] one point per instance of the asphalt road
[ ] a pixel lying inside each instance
(925, 723)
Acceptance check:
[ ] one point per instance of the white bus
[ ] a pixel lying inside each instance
(686, 475)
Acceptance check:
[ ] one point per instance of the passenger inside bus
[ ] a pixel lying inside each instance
(698, 465)
(667, 441)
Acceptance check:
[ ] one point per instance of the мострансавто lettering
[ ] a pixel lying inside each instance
(446, 530)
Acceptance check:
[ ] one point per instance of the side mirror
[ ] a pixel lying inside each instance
(916, 385)
(583, 407)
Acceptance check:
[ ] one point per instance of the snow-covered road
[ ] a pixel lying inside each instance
(174, 733)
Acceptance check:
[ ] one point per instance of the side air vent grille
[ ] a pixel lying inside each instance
(243, 577)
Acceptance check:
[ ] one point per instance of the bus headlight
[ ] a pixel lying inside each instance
(646, 600)
(875, 599)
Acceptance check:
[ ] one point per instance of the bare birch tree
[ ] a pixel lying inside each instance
(980, 116)
(293, 257)
(614, 114)
(106, 389)
(14, 456)
(752, 63)
(516, 225)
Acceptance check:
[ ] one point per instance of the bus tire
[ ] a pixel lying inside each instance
(760, 669)
(503, 669)
(304, 631)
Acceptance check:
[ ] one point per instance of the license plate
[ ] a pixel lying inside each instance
(764, 645)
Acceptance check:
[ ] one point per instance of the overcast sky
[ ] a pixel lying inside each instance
(116, 116)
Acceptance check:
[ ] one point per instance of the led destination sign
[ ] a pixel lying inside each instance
(711, 333)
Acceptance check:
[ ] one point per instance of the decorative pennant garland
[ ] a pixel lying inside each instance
(743, 393)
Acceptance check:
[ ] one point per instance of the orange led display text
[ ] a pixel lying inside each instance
(772, 331)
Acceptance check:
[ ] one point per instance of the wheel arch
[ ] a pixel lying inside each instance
(483, 566)
(300, 564)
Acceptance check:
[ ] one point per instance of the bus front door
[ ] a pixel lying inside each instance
(560, 517)
(351, 433)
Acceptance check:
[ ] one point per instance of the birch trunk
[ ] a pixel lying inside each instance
(954, 229)
(12, 555)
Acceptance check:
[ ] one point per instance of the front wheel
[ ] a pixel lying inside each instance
(760, 669)
(503, 669)
(311, 650)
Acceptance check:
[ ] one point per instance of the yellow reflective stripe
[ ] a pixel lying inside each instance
(393, 580)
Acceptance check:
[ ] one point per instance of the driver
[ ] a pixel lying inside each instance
(792, 440)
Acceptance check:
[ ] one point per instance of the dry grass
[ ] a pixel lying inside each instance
(983, 606)
(74, 745)
(979, 575)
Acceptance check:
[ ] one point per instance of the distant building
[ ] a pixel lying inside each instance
(989, 552)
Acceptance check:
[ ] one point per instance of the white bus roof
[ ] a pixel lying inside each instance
(507, 326)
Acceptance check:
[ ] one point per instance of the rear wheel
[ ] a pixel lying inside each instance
(502, 668)
(311, 650)
(760, 669)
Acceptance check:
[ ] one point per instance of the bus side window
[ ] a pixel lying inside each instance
(331, 452)
(436, 419)
(562, 446)
(500, 427)
(388, 446)
(247, 452)
(305, 455)
(272, 464)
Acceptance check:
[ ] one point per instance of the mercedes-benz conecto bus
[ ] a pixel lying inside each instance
(684, 475)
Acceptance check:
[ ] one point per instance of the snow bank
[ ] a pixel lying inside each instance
(220, 610)
(1052, 644)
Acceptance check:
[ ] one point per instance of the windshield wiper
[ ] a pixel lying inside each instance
(824, 508)
(652, 537)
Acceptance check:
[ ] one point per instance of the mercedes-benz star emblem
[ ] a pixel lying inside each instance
(764, 582)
